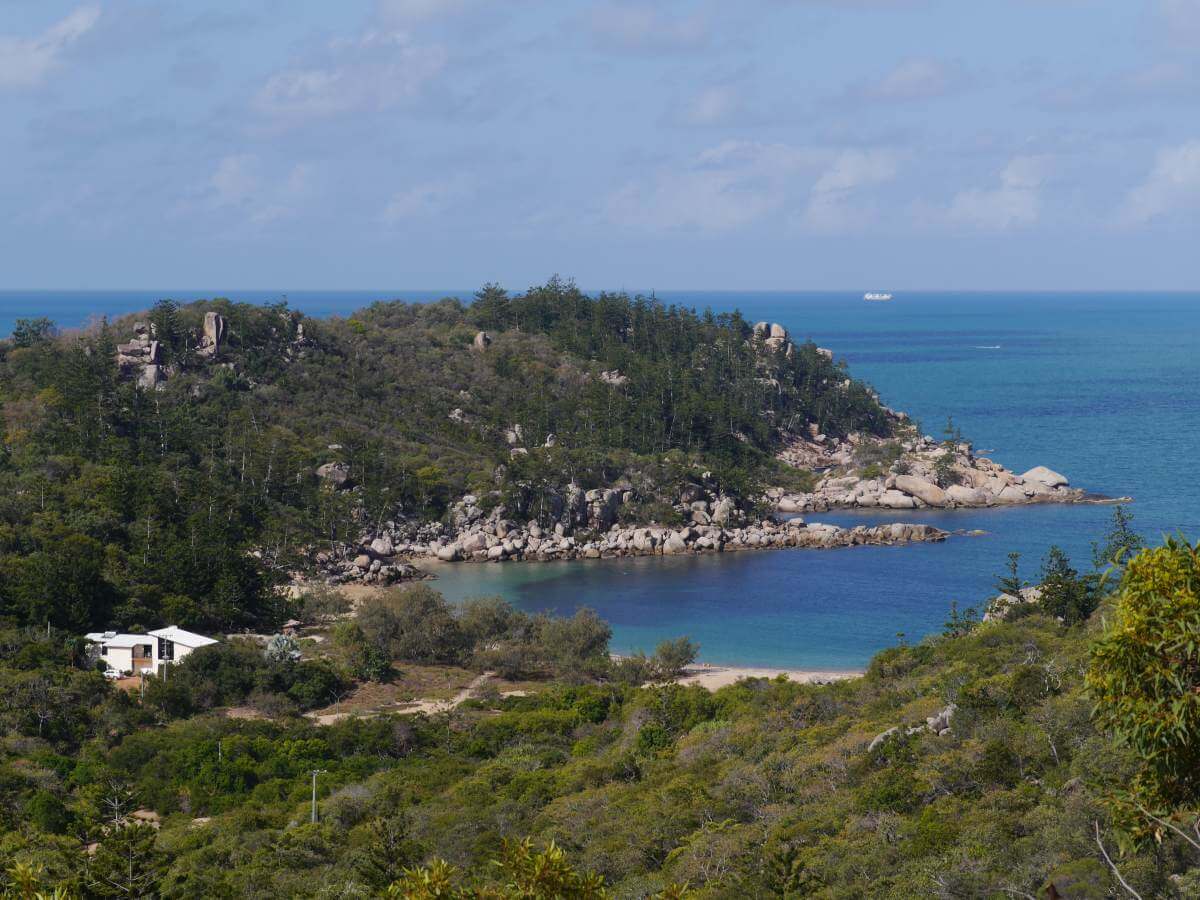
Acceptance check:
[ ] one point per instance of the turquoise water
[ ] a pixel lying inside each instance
(1102, 387)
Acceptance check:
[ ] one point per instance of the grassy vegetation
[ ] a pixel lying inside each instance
(764, 788)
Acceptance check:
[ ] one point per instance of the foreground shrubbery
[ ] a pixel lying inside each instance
(765, 788)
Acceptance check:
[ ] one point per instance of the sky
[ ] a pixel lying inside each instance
(677, 144)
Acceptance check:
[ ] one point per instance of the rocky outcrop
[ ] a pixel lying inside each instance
(497, 540)
(140, 358)
(586, 526)
(334, 473)
(482, 341)
(614, 378)
(938, 723)
(772, 337)
(925, 475)
(213, 337)
(1000, 606)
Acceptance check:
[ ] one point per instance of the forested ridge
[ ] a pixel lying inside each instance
(130, 505)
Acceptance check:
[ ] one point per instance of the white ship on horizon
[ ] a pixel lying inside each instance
(877, 297)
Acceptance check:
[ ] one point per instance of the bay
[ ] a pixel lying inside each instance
(1104, 387)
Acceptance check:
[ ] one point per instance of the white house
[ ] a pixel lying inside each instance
(124, 653)
(134, 653)
(174, 643)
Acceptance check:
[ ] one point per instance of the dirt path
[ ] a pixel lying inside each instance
(432, 707)
(414, 707)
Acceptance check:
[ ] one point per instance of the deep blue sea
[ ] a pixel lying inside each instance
(1104, 388)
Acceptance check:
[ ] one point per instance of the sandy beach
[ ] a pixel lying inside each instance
(715, 677)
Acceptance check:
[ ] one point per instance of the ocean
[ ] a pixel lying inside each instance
(1104, 388)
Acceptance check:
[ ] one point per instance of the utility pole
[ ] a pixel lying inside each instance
(315, 773)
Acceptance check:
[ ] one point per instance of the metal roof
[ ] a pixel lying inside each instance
(113, 639)
(179, 636)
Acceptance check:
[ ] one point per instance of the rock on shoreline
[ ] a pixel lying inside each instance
(380, 561)
(926, 475)
(522, 543)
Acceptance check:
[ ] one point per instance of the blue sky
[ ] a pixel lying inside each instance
(758, 144)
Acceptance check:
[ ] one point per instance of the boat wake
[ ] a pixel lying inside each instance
(987, 347)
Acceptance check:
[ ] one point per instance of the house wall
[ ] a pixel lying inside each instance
(119, 658)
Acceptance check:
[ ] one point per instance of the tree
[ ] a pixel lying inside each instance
(491, 307)
(944, 472)
(1121, 542)
(1144, 677)
(127, 862)
(1064, 592)
(413, 623)
(164, 322)
(31, 332)
(1011, 583)
(388, 850)
(672, 657)
(960, 622)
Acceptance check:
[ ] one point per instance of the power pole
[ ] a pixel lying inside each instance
(315, 773)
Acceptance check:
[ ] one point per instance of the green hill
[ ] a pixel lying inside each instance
(183, 482)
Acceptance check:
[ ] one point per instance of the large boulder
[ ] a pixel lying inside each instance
(1012, 494)
(674, 543)
(482, 340)
(925, 491)
(1048, 477)
(215, 328)
(892, 499)
(722, 510)
(337, 474)
(474, 541)
(966, 496)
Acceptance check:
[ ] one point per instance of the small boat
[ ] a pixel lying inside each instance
(877, 298)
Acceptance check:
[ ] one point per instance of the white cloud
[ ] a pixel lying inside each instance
(914, 79)
(737, 183)
(1173, 183)
(1183, 19)
(723, 188)
(425, 200)
(712, 106)
(1016, 202)
(643, 27)
(239, 183)
(833, 201)
(374, 72)
(26, 62)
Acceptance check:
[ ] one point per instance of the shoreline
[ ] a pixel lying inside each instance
(385, 561)
(712, 676)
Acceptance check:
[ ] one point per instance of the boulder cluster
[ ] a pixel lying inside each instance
(374, 563)
(141, 357)
(938, 723)
(585, 526)
(931, 476)
(1001, 605)
(530, 542)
